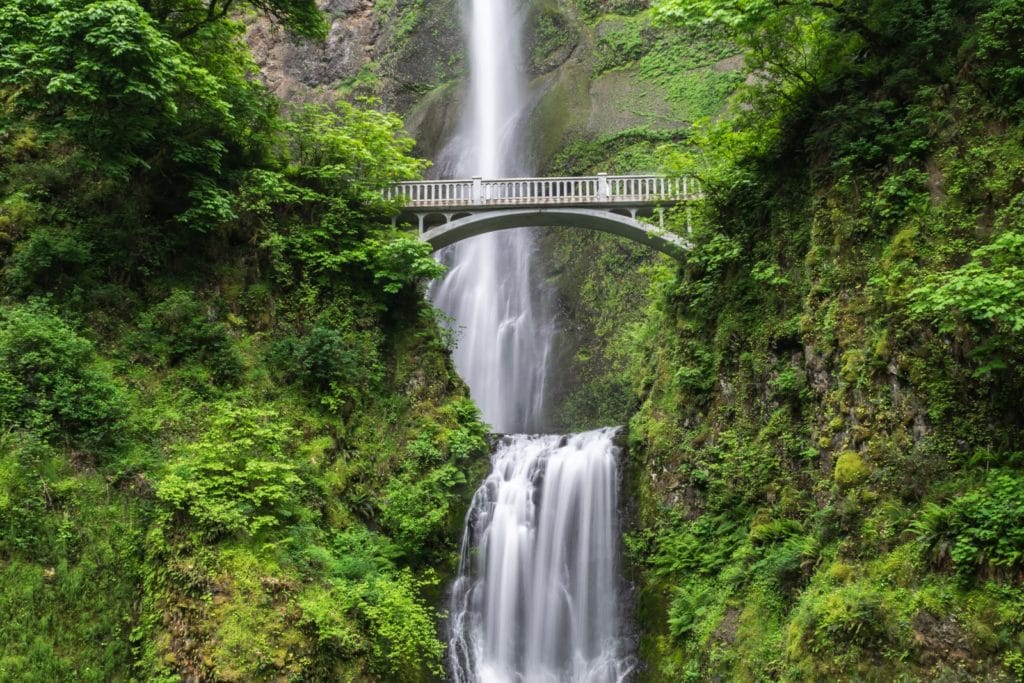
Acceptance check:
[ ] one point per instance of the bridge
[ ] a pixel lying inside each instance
(447, 211)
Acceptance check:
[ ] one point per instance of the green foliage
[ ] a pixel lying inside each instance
(345, 157)
(336, 361)
(52, 384)
(47, 260)
(850, 616)
(701, 547)
(683, 64)
(985, 292)
(551, 34)
(594, 8)
(63, 535)
(223, 265)
(690, 606)
(417, 512)
(623, 44)
(103, 71)
(179, 330)
(1001, 49)
(236, 478)
(980, 531)
(853, 288)
(404, 645)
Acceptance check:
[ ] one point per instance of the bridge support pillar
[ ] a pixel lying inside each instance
(603, 189)
(478, 189)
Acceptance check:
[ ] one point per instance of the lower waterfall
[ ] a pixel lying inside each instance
(535, 600)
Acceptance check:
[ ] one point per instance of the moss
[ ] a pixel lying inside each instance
(850, 470)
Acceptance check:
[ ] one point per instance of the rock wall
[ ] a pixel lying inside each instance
(399, 52)
(301, 69)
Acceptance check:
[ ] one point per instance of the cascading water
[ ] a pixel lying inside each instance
(535, 600)
(503, 346)
(537, 603)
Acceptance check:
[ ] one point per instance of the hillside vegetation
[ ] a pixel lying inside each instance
(827, 457)
(232, 445)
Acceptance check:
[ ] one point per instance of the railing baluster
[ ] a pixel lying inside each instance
(626, 189)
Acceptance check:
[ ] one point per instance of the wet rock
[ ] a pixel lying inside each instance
(939, 639)
(817, 370)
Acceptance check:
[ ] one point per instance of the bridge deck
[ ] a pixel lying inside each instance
(594, 191)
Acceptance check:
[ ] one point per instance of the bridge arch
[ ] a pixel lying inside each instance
(441, 236)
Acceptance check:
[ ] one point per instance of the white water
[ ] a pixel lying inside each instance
(502, 344)
(535, 600)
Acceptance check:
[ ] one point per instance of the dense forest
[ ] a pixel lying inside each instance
(233, 445)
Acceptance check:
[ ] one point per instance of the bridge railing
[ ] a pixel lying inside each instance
(601, 189)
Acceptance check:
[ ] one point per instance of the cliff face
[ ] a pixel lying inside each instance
(599, 68)
(298, 69)
(398, 52)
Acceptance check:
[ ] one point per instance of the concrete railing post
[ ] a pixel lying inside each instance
(478, 189)
(603, 190)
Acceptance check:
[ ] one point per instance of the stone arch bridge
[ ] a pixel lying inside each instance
(447, 211)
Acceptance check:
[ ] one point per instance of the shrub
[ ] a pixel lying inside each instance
(984, 293)
(1001, 49)
(417, 512)
(980, 531)
(404, 638)
(691, 605)
(23, 505)
(51, 383)
(235, 478)
(179, 330)
(933, 530)
(849, 616)
(988, 525)
(337, 360)
(47, 261)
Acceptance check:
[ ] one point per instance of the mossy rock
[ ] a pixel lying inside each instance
(850, 470)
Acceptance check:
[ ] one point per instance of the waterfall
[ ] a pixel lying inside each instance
(503, 343)
(535, 599)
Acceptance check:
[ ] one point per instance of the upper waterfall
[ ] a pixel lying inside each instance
(504, 334)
